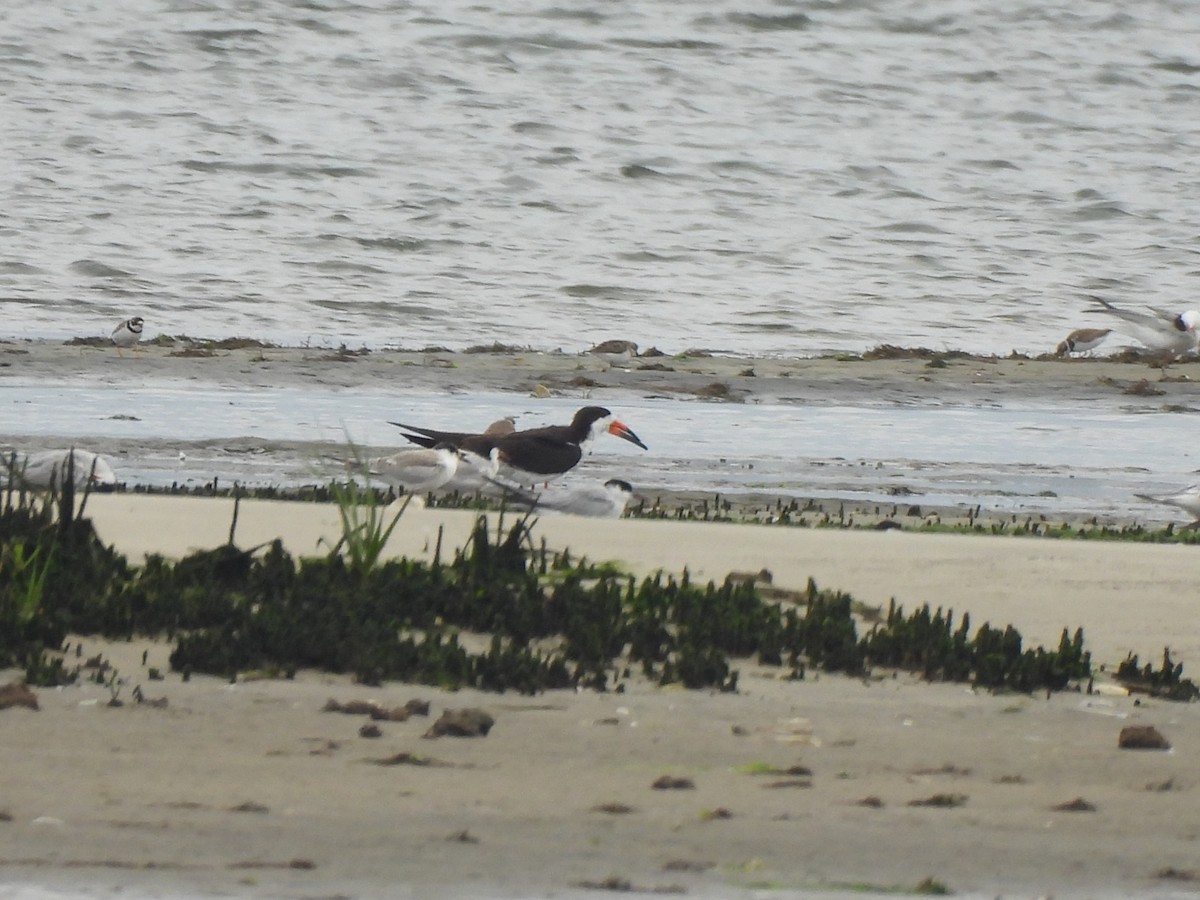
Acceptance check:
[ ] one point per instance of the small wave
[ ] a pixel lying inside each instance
(647, 256)
(514, 42)
(606, 291)
(742, 165)
(680, 44)
(767, 326)
(319, 27)
(759, 22)
(19, 268)
(399, 245)
(636, 170)
(943, 26)
(531, 127)
(1177, 66)
(981, 76)
(1028, 117)
(1098, 211)
(94, 269)
(338, 265)
(910, 228)
(992, 164)
(543, 204)
(221, 34)
(593, 16)
(268, 168)
(384, 310)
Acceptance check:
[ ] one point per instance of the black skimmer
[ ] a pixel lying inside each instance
(1160, 331)
(533, 454)
(1082, 340)
(47, 468)
(127, 333)
(606, 501)
(1188, 500)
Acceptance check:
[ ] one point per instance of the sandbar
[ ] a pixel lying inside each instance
(819, 787)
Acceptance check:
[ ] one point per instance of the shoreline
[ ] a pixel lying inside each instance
(269, 416)
(880, 376)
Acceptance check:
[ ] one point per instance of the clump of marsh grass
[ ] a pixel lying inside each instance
(367, 522)
(24, 573)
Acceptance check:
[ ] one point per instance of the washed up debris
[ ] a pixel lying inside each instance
(1142, 737)
(1076, 805)
(941, 801)
(17, 693)
(375, 711)
(250, 807)
(462, 723)
(409, 759)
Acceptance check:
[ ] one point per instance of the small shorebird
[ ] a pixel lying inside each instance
(127, 333)
(534, 454)
(46, 468)
(1082, 340)
(607, 501)
(1188, 500)
(1159, 330)
(615, 348)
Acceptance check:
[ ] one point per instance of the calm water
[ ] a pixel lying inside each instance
(764, 176)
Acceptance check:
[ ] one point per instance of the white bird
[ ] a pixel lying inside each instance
(1188, 500)
(1158, 330)
(417, 469)
(474, 472)
(607, 501)
(1082, 340)
(40, 471)
(127, 333)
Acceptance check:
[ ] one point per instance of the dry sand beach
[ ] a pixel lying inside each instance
(824, 786)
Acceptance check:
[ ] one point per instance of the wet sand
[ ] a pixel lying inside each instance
(901, 377)
(826, 785)
(276, 417)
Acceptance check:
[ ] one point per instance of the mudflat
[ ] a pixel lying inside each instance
(886, 375)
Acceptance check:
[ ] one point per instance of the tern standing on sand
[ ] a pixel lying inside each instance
(1160, 330)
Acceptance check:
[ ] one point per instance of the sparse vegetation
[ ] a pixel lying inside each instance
(501, 614)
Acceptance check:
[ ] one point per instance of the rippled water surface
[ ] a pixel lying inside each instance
(763, 177)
